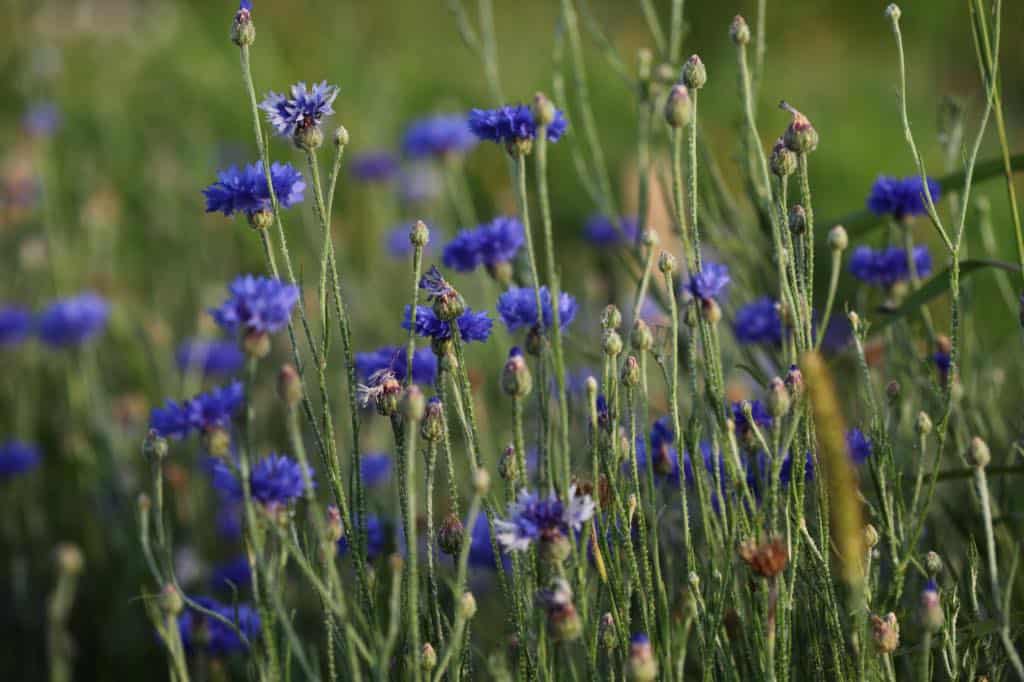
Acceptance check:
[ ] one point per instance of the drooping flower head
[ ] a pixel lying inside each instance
(518, 308)
(424, 363)
(491, 244)
(858, 445)
(473, 326)
(710, 282)
(15, 325)
(545, 521)
(73, 321)
(885, 267)
(246, 191)
(275, 481)
(257, 305)
(758, 322)
(374, 166)
(513, 124)
(17, 458)
(209, 357)
(375, 468)
(900, 198)
(438, 136)
(210, 411)
(301, 108)
(200, 632)
(601, 231)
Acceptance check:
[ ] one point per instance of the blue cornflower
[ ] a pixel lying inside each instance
(512, 123)
(757, 411)
(303, 109)
(664, 455)
(41, 119)
(231, 575)
(205, 412)
(375, 468)
(444, 135)
(15, 325)
(245, 5)
(374, 166)
(245, 190)
(209, 357)
(376, 537)
(199, 631)
(473, 326)
(257, 305)
(943, 361)
(518, 308)
(858, 445)
(228, 521)
(600, 231)
(17, 458)
(900, 198)
(758, 322)
(276, 480)
(710, 282)
(489, 245)
(424, 363)
(886, 267)
(786, 470)
(72, 321)
(531, 519)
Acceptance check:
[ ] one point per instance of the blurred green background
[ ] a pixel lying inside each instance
(152, 103)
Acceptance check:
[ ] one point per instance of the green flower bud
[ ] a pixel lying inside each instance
(606, 632)
(69, 559)
(428, 657)
(516, 379)
(783, 160)
(308, 136)
(419, 234)
(481, 481)
(341, 137)
(838, 240)
(216, 442)
(154, 446)
(933, 563)
(739, 31)
(641, 338)
(980, 455)
(611, 318)
(711, 311)
(797, 219)
(508, 466)
(631, 372)
(694, 74)
(449, 535)
(261, 219)
(564, 623)
(678, 108)
(924, 423)
(467, 605)
(886, 633)
(414, 403)
(243, 31)
(667, 263)
(893, 12)
(611, 343)
(778, 398)
(289, 385)
(543, 110)
(432, 428)
(800, 136)
(171, 601)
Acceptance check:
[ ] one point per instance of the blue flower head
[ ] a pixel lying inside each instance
(758, 322)
(245, 5)
(489, 245)
(786, 470)
(858, 445)
(374, 166)
(257, 305)
(758, 412)
(201, 632)
(531, 518)
(275, 481)
(438, 136)
(900, 198)
(205, 412)
(302, 108)
(73, 321)
(231, 575)
(518, 308)
(886, 267)
(512, 123)
(481, 551)
(424, 363)
(15, 325)
(245, 190)
(376, 537)
(375, 468)
(473, 326)
(600, 231)
(710, 282)
(17, 458)
(209, 357)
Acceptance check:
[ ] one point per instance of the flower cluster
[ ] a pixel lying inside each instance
(304, 107)
(205, 412)
(518, 308)
(513, 123)
(533, 519)
(257, 305)
(424, 363)
(73, 321)
(758, 322)
(438, 136)
(886, 267)
(900, 198)
(245, 190)
(473, 326)
(209, 357)
(601, 231)
(490, 244)
(201, 632)
(17, 458)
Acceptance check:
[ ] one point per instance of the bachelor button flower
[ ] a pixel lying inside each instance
(511, 124)
(490, 245)
(546, 521)
(257, 305)
(664, 456)
(275, 481)
(201, 632)
(244, 190)
(424, 363)
(886, 267)
(374, 166)
(72, 321)
(518, 308)
(600, 231)
(900, 198)
(17, 458)
(758, 322)
(710, 282)
(209, 357)
(439, 136)
(303, 109)
(41, 119)
(481, 551)
(473, 326)
(205, 412)
(15, 325)
(375, 468)
(858, 445)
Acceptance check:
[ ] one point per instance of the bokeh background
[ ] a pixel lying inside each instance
(151, 105)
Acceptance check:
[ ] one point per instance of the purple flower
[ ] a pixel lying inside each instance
(601, 231)
(374, 166)
(489, 245)
(442, 135)
(200, 632)
(304, 108)
(245, 5)
(209, 357)
(900, 198)
(531, 518)
(257, 305)
(15, 325)
(481, 551)
(17, 458)
(72, 321)
(245, 190)
(758, 322)
(886, 267)
(512, 123)
(204, 412)
(375, 468)
(858, 445)
(710, 282)
(473, 326)
(424, 363)
(275, 481)
(41, 119)
(518, 308)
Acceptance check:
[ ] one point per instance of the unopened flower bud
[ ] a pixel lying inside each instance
(481, 481)
(543, 110)
(508, 466)
(256, 344)
(933, 563)
(69, 558)
(892, 392)
(308, 136)
(467, 605)
(739, 31)
(979, 453)
(289, 385)
(171, 601)
(641, 666)
(154, 446)
(432, 428)
(428, 657)
(419, 234)
(606, 632)
(631, 372)
(667, 263)
(449, 535)
(795, 381)
(893, 11)
(564, 623)
(414, 403)
(341, 137)
(611, 343)
(535, 341)
(694, 74)
(611, 318)
(778, 398)
(885, 631)
(641, 338)
(797, 219)
(711, 311)
(870, 536)
(783, 160)
(932, 617)
(800, 136)
(854, 319)
(924, 423)
(243, 31)
(678, 107)
(261, 219)
(334, 529)
(516, 379)
(838, 240)
(555, 549)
